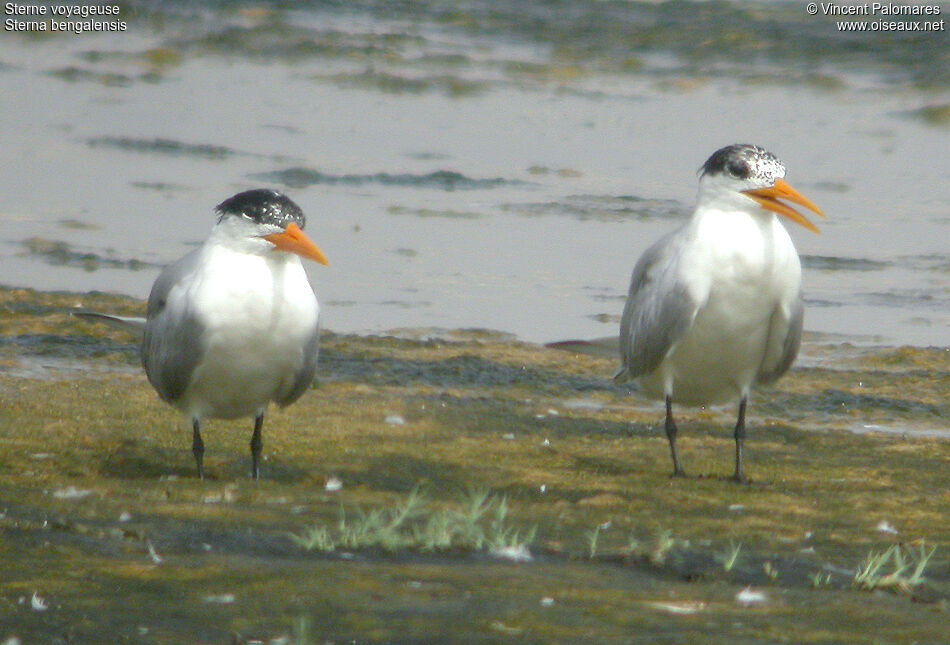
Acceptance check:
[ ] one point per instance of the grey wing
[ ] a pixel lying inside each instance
(303, 379)
(171, 347)
(658, 312)
(785, 337)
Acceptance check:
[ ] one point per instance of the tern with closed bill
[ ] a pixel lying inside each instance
(234, 324)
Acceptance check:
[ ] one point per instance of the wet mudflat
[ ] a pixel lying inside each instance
(107, 536)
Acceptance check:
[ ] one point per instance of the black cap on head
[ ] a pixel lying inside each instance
(264, 206)
(744, 161)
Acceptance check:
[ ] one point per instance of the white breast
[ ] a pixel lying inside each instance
(740, 268)
(258, 314)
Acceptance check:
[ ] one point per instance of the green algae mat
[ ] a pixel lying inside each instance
(463, 487)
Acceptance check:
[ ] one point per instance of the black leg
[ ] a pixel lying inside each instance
(198, 447)
(739, 476)
(671, 436)
(257, 445)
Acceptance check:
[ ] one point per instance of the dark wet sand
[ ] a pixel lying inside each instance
(101, 516)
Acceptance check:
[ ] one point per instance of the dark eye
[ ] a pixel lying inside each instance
(738, 169)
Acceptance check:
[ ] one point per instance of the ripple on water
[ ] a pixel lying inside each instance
(829, 263)
(163, 146)
(447, 180)
(604, 208)
(59, 253)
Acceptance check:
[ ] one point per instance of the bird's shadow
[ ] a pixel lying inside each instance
(728, 479)
(132, 460)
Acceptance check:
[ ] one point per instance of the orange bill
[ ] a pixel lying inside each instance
(768, 198)
(294, 240)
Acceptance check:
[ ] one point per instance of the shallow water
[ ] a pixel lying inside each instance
(473, 166)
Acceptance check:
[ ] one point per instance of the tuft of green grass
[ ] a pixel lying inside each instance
(664, 544)
(504, 540)
(820, 579)
(592, 537)
(730, 557)
(899, 568)
(478, 522)
(655, 550)
(302, 631)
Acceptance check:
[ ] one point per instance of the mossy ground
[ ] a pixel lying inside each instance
(97, 485)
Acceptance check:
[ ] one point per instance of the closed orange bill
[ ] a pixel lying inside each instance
(768, 198)
(294, 240)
